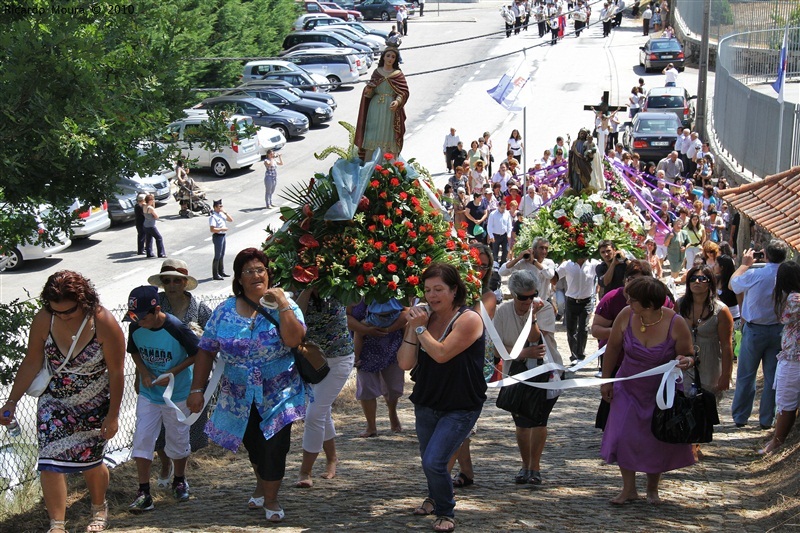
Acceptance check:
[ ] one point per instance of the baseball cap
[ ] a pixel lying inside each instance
(141, 301)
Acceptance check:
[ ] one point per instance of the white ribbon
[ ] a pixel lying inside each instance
(219, 368)
(665, 395)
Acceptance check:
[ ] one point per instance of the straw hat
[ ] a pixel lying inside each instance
(175, 268)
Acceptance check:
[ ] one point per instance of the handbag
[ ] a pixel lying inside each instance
(42, 379)
(691, 419)
(521, 399)
(309, 359)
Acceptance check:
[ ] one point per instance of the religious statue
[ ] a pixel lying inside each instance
(580, 166)
(598, 180)
(381, 115)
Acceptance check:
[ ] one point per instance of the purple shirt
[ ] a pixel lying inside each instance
(611, 305)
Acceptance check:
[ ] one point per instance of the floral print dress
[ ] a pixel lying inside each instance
(259, 369)
(72, 409)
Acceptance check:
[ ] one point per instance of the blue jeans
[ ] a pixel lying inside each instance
(440, 434)
(760, 345)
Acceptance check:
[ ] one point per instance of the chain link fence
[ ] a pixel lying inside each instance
(732, 16)
(18, 455)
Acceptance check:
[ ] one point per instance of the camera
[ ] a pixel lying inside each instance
(621, 257)
(526, 255)
(758, 255)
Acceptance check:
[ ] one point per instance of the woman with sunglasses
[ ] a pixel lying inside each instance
(176, 300)
(711, 324)
(261, 393)
(78, 412)
(696, 236)
(509, 320)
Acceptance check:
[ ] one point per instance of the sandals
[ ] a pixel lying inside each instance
(444, 523)
(99, 521)
(274, 516)
(57, 526)
(254, 504)
(461, 480)
(536, 478)
(422, 511)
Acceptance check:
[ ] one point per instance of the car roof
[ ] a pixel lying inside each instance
(662, 91)
(324, 52)
(278, 62)
(664, 39)
(653, 115)
(248, 99)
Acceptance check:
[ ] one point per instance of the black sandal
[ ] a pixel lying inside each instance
(422, 511)
(461, 480)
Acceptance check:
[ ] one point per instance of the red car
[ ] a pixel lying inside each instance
(312, 6)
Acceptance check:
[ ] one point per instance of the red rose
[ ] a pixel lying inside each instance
(412, 234)
(391, 267)
(353, 261)
(378, 168)
(409, 263)
(561, 220)
(394, 182)
(581, 241)
(382, 259)
(388, 205)
(392, 247)
(375, 183)
(422, 228)
(414, 201)
(387, 156)
(387, 222)
(461, 234)
(373, 281)
(392, 286)
(371, 228)
(412, 250)
(385, 172)
(382, 195)
(409, 224)
(427, 260)
(360, 280)
(381, 217)
(398, 212)
(413, 280)
(430, 240)
(378, 245)
(464, 225)
(403, 195)
(567, 223)
(403, 255)
(399, 164)
(450, 245)
(368, 266)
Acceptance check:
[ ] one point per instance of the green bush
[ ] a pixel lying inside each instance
(15, 320)
(721, 13)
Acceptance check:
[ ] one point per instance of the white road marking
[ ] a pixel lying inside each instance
(443, 108)
(244, 223)
(128, 273)
(471, 78)
(430, 118)
(179, 252)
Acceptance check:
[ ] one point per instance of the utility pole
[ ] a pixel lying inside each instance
(702, 80)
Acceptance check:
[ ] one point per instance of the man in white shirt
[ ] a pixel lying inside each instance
(685, 141)
(498, 228)
(671, 76)
(695, 147)
(449, 147)
(761, 334)
(580, 276)
(531, 202)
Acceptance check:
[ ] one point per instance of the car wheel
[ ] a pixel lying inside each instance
(384, 16)
(220, 167)
(335, 82)
(281, 128)
(11, 262)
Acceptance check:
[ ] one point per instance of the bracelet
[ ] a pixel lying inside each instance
(409, 342)
(201, 391)
(287, 308)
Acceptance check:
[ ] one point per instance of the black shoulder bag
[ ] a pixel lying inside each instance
(521, 399)
(308, 357)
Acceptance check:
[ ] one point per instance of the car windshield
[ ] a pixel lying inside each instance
(664, 102)
(287, 95)
(266, 107)
(661, 126)
(665, 46)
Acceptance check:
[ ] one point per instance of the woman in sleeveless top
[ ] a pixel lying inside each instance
(644, 335)
(447, 349)
(78, 412)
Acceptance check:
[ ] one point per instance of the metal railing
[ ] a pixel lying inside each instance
(746, 111)
(18, 455)
(732, 16)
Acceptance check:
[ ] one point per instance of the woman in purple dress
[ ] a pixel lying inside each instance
(644, 335)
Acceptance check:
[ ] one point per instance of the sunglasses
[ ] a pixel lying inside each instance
(699, 279)
(525, 298)
(168, 281)
(66, 312)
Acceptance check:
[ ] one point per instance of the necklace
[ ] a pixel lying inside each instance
(645, 326)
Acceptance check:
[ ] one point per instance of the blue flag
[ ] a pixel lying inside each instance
(780, 82)
(508, 90)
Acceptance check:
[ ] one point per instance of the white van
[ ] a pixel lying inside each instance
(241, 153)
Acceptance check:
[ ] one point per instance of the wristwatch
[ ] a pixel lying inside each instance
(420, 330)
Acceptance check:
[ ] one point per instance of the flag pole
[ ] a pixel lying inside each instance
(784, 58)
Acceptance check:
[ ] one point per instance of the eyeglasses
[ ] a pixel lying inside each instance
(169, 281)
(65, 312)
(699, 279)
(525, 298)
(483, 268)
(254, 271)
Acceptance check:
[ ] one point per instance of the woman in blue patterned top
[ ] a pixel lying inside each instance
(261, 393)
(327, 326)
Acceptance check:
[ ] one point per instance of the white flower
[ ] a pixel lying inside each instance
(598, 219)
(558, 213)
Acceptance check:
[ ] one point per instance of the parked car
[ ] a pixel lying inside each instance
(671, 99)
(651, 135)
(325, 98)
(312, 6)
(242, 152)
(121, 205)
(316, 112)
(338, 66)
(659, 52)
(13, 259)
(321, 48)
(91, 219)
(322, 36)
(255, 70)
(363, 28)
(308, 46)
(302, 19)
(269, 139)
(383, 9)
(375, 43)
(289, 123)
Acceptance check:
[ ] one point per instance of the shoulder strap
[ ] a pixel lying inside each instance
(450, 324)
(72, 346)
(263, 312)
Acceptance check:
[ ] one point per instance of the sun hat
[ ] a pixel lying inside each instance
(174, 268)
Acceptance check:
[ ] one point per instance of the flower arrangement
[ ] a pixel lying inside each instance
(614, 182)
(367, 231)
(575, 225)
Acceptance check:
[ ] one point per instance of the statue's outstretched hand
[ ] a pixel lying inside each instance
(393, 105)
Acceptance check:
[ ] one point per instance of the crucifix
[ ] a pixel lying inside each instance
(604, 112)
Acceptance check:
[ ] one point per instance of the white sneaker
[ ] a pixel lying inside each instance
(166, 483)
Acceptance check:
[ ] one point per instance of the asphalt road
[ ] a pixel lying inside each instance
(567, 76)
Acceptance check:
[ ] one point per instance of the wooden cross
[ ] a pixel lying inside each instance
(604, 107)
